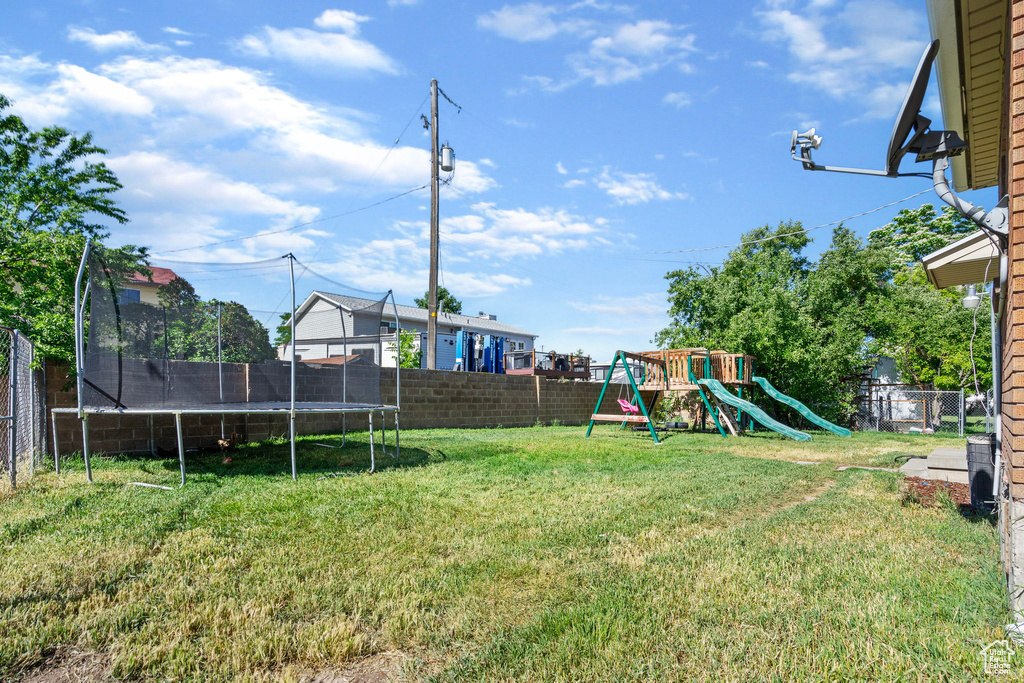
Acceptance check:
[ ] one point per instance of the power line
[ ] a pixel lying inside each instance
(788, 234)
(293, 227)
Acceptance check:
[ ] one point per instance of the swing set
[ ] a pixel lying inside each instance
(698, 370)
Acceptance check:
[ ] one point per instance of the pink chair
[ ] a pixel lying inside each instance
(628, 407)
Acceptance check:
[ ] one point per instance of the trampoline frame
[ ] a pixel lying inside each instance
(292, 408)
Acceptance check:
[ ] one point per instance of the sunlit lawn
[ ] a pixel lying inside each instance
(514, 554)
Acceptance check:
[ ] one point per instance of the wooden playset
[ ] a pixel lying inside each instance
(709, 373)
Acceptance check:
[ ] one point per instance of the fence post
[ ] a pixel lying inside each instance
(963, 413)
(12, 397)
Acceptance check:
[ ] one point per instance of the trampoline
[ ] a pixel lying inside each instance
(171, 353)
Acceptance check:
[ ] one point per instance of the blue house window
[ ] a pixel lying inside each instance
(126, 295)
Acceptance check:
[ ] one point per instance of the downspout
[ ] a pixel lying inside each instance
(994, 224)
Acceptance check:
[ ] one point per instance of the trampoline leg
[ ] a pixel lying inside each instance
(181, 447)
(85, 447)
(343, 430)
(398, 450)
(56, 448)
(152, 440)
(373, 463)
(295, 474)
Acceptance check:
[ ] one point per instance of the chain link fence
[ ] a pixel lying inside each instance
(903, 410)
(22, 409)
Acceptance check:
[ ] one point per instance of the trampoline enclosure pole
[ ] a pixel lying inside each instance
(85, 447)
(56, 446)
(220, 370)
(181, 447)
(398, 373)
(373, 462)
(291, 320)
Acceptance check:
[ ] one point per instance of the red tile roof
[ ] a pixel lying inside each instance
(161, 276)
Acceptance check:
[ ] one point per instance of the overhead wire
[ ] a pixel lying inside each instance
(788, 234)
(293, 227)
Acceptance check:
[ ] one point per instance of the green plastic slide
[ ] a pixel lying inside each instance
(801, 408)
(759, 416)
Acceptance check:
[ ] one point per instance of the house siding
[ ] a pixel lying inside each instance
(1012, 322)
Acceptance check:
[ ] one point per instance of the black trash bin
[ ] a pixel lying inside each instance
(981, 468)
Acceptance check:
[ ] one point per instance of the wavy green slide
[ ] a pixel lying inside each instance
(800, 408)
(727, 397)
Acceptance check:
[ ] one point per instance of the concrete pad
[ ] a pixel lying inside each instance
(915, 467)
(958, 452)
(954, 476)
(947, 462)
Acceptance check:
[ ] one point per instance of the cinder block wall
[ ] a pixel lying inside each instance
(430, 399)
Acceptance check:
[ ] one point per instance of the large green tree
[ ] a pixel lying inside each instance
(928, 333)
(804, 322)
(446, 301)
(54, 196)
(191, 328)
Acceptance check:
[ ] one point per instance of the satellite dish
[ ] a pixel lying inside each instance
(911, 132)
(910, 119)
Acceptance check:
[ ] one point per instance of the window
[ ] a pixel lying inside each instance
(126, 295)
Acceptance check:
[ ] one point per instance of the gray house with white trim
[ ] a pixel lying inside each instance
(332, 325)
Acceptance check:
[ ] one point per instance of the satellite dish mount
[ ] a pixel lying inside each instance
(912, 133)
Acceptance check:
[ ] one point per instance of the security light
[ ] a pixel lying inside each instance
(972, 300)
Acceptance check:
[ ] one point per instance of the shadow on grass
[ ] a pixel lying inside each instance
(320, 455)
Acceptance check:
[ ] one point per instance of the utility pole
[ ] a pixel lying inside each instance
(434, 233)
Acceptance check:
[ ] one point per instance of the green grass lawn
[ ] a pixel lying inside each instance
(508, 554)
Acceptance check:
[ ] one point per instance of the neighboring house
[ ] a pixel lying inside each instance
(141, 288)
(329, 325)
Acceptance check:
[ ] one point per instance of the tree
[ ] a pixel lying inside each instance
(53, 198)
(190, 330)
(927, 331)
(802, 321)
(408, 355)
(446, 301)
(284, 330)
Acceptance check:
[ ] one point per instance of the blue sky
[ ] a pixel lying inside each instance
(590, 135)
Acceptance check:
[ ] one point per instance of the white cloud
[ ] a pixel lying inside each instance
(65, 88)
(154, 178)
(342, 20)
(632, 51)
(307, 141)
(560, 168)
(677, 99)
(575, 182)
(634, 188)
(651, 305)
(98, 92)
(618, 51)
(123, 41)
(529, 22)
(175, 31)
(315, 49)
(851, 52)
(477, 247)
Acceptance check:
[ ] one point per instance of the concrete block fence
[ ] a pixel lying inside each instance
(430, 399)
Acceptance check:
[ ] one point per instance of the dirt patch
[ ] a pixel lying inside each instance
(809, 497)
(927, 492)
(70, 665)
(379, 668)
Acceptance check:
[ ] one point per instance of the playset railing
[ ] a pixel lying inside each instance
(674, 367)
(732, 368)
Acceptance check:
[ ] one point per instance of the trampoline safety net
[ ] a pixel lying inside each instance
(167, 349)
